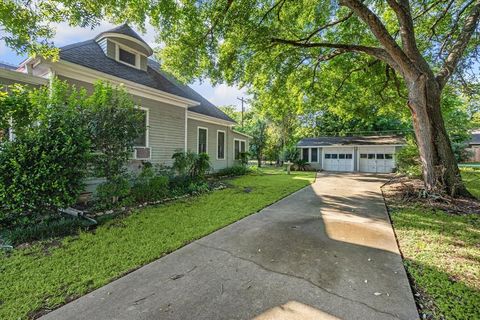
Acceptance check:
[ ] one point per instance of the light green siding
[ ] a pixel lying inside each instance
(212, 128)
(166, 132)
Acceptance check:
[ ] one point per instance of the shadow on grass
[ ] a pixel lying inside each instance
(442, 256)
(440, 295)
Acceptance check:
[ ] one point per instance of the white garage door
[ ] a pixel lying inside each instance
(338, 159)
(376, 159)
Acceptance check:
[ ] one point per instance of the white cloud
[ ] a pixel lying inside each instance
(226, 95)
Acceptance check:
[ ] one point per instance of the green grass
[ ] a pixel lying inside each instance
(442, 255)
(471, 177)
(47, 275)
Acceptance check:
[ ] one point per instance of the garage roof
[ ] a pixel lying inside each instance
(351, 141)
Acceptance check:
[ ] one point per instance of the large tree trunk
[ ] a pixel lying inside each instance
(439, 166)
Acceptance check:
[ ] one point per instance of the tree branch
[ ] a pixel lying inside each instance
(460, 45)
(383, 36)
(407, 32)
(331, 24)
(378, 53)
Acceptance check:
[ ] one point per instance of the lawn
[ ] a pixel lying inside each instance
(46, 275)
(442, 255)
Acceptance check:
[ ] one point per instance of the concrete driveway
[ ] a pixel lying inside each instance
(325, 252)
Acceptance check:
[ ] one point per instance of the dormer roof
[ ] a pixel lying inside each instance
(125, 32)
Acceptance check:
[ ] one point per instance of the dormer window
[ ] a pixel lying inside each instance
(127, 56)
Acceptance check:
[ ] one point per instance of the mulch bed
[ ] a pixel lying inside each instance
(401, 191)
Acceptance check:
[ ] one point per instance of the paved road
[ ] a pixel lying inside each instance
(325, 252)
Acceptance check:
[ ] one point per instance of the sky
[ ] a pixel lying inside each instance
(219, 95)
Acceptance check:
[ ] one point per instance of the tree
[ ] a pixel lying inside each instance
(259, 139)
(421, 43)
(291, 47)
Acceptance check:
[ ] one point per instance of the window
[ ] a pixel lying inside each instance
(341, 156)
(328, 156)
(220, 145)
(142, 139)
(349, 156)
(202, 140)
(127, 56)
(239, 147)
(363, 156)
(334, 156)
(388, 156)
(380, 156)
(305, 154)
(314, 154)
(371, 156)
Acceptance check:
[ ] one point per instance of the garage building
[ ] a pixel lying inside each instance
(356, 153)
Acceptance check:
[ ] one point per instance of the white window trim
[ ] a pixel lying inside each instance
(147, 129)
(118, 46)
(224, 145)
(239, 146)
(198, 139)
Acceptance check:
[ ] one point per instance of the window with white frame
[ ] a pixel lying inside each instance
(220, 145)
(127, 56)
(239, 148)
(142, 139)
(202, 140)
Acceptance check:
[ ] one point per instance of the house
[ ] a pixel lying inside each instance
(359, 153)
(474, 147)
(175, 116)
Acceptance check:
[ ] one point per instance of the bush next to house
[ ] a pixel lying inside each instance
(43, 168)
(62, 135)
(233, 171)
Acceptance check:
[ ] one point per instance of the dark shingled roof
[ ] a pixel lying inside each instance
(125, 30)
(7, 66)
(354, 140)
(89, 54)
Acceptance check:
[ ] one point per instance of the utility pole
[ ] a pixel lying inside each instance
(243, 110)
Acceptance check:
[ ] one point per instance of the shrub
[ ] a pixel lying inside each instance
(45, 230)
(233, 171)
(149, 187)
(408, 160)
(44, 167)
(190, 164)
(114, 124)
(111, 193)
(290, 154)
(301, 165)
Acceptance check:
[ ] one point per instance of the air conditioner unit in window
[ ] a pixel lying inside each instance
(141, 153)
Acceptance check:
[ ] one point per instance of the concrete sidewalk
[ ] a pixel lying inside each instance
(327, 251)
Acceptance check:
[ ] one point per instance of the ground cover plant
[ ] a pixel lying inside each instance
(441, 251)
(45, 275)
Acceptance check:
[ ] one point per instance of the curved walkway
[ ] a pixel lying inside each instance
(325, 252)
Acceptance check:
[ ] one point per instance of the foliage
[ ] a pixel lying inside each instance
(114, 125)
(149, 186)
(244, 156)
(44, 167)
(290, 154)
(191, 164)
(408, 159)
(46, 275)
(110, 193)
(439, 251)
(471, 177)
(233, 171)
(48, 229)
(301, 165)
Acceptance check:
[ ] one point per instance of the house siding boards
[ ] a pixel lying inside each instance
(166, 132)
(192, 139)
